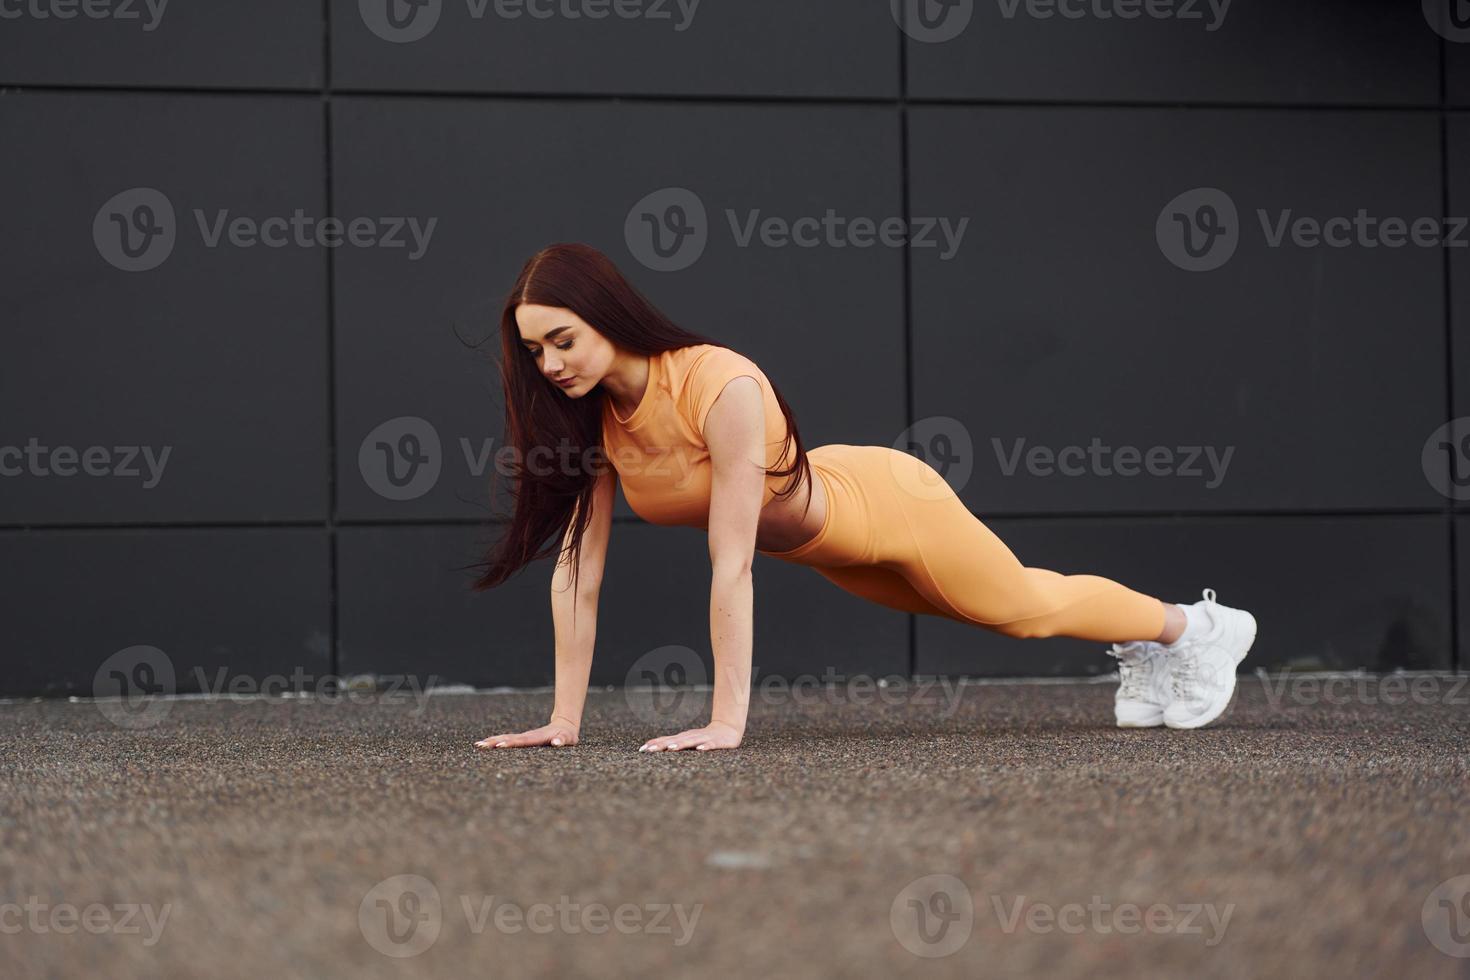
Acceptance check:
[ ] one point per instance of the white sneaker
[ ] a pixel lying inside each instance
(1144, 690)
(1202, 669)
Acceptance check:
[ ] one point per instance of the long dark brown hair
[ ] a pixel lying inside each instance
(579, 278)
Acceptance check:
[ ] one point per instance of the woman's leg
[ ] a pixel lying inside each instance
(883, 586)
(954, 560)
(918, 531)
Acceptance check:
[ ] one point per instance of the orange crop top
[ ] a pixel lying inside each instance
(659, 451)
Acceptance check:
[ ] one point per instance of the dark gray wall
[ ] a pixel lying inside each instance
(268, 541)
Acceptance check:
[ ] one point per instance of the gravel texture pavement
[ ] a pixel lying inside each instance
(976, 830)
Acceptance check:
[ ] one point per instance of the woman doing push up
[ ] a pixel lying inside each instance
(698, 436)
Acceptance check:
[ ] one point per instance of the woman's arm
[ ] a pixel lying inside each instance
(735, 433)
(574, 616)
(574, 623)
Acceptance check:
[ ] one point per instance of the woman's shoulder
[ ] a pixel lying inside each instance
(706, 370)
(710, 358)
(709, 364)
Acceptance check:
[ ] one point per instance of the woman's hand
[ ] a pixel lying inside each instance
(556, 732)
(715, 735)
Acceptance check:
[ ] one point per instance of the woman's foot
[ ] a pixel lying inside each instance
(1144, 690)
(1203, 661)
(1188, 681)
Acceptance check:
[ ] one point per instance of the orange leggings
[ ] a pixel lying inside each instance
(896, 533)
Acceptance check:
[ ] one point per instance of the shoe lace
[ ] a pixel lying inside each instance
(1184, 670)
(1133, 684)
(1135, 675)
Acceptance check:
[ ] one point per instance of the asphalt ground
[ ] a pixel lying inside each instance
(1305, 834)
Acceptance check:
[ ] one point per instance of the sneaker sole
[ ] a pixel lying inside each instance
(1246, 632)
(1142, 724)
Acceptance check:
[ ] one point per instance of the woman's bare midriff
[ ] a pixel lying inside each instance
(782, 526)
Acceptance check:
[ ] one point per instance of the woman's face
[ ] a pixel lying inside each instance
(564, 346)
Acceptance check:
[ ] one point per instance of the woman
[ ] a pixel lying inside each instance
(697, 436)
